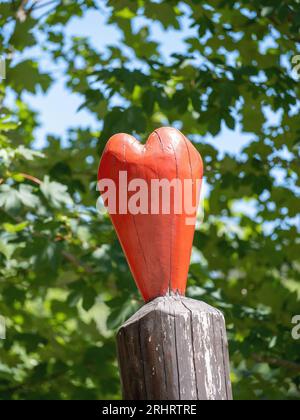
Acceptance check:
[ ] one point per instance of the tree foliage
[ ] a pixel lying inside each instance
(65, 286)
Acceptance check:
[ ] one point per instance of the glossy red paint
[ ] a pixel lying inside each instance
(157, 246)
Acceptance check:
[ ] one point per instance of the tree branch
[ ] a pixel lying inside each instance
(33, 384)
(31, 178)
(21, 12)
(73, 260)
(276, 23)
(38, 5)
(277, 362)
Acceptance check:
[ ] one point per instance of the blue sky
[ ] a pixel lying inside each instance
(58, 108)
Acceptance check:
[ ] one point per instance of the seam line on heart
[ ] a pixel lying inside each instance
(159, 139)
(172, 225)
(171, 228)
(190, 160)
(134, 222)
(168, 292)
(189, 155)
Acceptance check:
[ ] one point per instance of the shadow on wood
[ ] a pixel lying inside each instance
(174, 348)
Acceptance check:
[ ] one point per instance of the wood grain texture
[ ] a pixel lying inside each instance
(161, 238)
(174, 348)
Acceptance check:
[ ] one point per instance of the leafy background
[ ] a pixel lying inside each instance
(65, 286)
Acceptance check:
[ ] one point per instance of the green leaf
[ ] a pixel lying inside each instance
(28, 154)
(15, 228)
(120, 314)
(22, 36)
(267, 11)
(189, 64)
(89, 296)
(253, 117)
(25, 76)
(27, 197)
(9, 198)
(230, 121)
(148, 101)
(56, 193)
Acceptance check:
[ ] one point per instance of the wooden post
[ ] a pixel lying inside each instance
(174, 348)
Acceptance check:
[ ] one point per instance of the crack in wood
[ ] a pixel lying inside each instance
(175, 348)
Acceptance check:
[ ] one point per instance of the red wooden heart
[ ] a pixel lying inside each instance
(157, 246)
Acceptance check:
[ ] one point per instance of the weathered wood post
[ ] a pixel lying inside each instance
(173, 348)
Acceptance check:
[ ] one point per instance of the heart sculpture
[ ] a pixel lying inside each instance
(156, 240)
